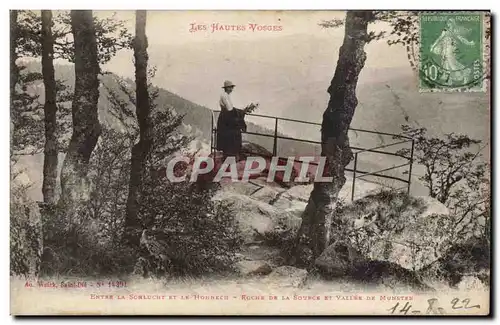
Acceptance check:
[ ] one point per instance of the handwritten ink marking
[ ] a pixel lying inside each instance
(403, 310)
(465, 301)
(433, 307)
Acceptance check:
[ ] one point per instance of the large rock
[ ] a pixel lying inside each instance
(303, 191)
(287, 276)
(247, 268)
(243, 188)
(256, 218)
(257, 188)
(266, 193)
(340, 259)
(294, 200)
(397, 228)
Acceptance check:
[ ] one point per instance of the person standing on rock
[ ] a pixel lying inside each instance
(230, 124)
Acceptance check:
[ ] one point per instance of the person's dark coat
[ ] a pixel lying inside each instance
(230, 124)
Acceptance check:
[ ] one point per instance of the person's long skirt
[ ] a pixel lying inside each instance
(228, 134)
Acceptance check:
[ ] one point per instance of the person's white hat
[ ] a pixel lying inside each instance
(228, 84)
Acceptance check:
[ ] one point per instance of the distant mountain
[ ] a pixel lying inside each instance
(293, 85)
(289, 77)
(196, 122)
(195, 115)
(197, 119)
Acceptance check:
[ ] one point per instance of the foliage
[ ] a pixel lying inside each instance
(77, 248)
(91, 245)
(448, 161)
(25, 227)
(395, 227)
(111, 35)
(167, 137)
(403, 26)
(391, 226)
(471, 257)
(284, 237)
(109, 165)
(403, 30)
(455, 177)
(186, 232)
(27, 115)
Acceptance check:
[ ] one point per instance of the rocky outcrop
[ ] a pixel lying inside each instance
(256, 267)
(341, 260)
(386, 236)
(397, 228)
(256, 218)
(287, 276)
(294, 199)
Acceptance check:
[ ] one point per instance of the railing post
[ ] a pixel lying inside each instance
(354, 175)
(275, 143)
(212, 150)
(411, 164)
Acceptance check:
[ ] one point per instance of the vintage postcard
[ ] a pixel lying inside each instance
(250, 162)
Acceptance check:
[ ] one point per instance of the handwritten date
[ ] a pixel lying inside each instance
(433, 307)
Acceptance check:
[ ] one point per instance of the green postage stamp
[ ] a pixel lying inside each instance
(451, 52)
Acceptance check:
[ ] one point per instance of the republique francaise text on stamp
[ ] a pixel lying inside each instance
(451, 52)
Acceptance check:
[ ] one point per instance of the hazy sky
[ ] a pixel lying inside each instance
(289, 69)
(173, 27)
(169, 32)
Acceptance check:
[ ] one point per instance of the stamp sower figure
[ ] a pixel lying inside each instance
(446, 47)
(230, 124)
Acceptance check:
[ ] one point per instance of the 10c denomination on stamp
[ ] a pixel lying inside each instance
(451, 52)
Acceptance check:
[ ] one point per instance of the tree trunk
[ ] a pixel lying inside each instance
(50, 109)
(319, 213)
(86, 127)
(140, 150)
(14, 71)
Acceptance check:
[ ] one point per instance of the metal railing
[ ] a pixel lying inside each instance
(357, 174)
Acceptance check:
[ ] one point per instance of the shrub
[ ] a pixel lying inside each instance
(455, 176)
(25, 231)
(78, 248)
(186, 233)
(92, 245)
